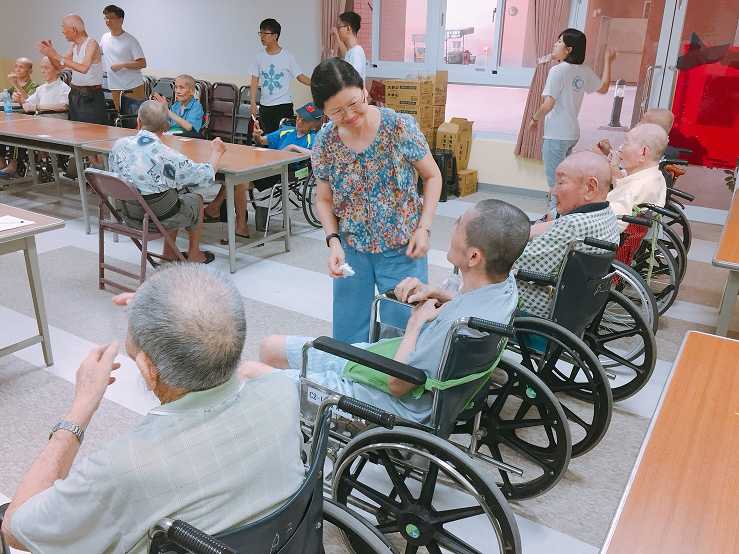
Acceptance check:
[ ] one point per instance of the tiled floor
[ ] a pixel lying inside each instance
(291, 293)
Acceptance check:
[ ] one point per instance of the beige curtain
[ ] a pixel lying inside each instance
(330, 10)
(550, 18)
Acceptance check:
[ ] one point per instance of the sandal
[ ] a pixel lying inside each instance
(210, 219)
(238, 235)
(209, 256)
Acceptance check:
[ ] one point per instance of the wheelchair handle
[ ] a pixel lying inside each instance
(672, 191)
(665, 162)
(193, 539)
(536, 277)
(602, 244)
(643, 221)
(492, 327)
(366, 412)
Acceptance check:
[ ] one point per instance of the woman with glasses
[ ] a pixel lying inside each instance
(365, 161)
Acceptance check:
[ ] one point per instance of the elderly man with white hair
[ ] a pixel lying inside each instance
(52, 96)
(643, 183)
(159, 173)
(21, 85)
(86, 100)
(582, 182)
(217, 452)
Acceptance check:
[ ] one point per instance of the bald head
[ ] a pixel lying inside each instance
(582, 178)
(643, 147)
(74, 21)
(589, 165)
(659, 116)
(153, 117)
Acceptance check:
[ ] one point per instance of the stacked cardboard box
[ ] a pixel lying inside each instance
(456, 135)
(467, 181)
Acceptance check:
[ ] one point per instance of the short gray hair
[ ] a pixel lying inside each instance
(501, 231)
(75, 21)
(190, 321)
(154, 116)
(652, 137)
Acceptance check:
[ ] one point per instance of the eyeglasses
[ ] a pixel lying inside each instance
(262, 33)
(346, 110)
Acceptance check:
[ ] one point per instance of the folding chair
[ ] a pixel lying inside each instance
(109, 188)
(222, 119)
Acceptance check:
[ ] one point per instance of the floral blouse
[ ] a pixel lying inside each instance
(374, 192)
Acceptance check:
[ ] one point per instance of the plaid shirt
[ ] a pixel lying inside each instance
(545, 253)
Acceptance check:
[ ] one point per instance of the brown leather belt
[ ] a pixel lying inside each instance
(87, 88)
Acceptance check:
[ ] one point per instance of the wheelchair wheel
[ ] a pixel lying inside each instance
(308, 200)
(526, 427)
(364, 537)
(665, 276)
(572, 372)
(626, 348)
(679, 224)
(629, 283)
(422, 491)
(672, 243)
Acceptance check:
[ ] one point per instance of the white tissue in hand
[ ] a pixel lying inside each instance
(347, 270)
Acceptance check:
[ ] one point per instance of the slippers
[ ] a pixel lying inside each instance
(238, 235)
(209, 256)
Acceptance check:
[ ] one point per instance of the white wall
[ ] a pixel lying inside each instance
(211, 39)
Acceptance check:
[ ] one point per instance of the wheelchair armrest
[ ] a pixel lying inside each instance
(536, 277)
(401, 371)
(193, 539)
(672, 191)
(643, 221)
(492, 327)
(602, 244)
(659, 210)
(665, 162)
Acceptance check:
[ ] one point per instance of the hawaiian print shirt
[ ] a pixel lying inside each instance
(374, 192)
(154, 167)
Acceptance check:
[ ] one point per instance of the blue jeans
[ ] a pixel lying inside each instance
(553, 152)
(353, 295)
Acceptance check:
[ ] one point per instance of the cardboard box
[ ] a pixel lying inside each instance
(439, 115)
(441, 82)
(424, 113)
(467, 181)
(456, 135)
(430, 134)
(417, 90)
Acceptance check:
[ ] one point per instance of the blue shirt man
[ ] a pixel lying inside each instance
(302, 135)
(191, 111)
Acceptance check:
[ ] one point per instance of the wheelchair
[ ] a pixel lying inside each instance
(424, 483)
(603, 358)
(295, 528)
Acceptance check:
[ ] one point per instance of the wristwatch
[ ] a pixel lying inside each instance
(73, 428)
(61, 62)
(332, 236)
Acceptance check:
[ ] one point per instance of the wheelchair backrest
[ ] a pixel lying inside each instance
(466, 355)
(582, 290)
(631, 240)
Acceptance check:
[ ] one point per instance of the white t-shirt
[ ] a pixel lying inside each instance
(121, 49)
(276, 72)
(56, 92)
(355, 56)
(567, 83)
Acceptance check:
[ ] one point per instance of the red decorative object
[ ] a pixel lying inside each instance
(706, 104)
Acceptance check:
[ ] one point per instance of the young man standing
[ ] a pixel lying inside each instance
(274, 69)
(346, 36)
(123, 58)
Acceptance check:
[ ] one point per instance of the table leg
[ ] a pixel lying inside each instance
(727, 303)
(37, 294)
(286, 206)
(55, 169)
(32, 165)
(83, 186)
(231, 221)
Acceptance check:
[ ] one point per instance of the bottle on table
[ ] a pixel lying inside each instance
(7, 104)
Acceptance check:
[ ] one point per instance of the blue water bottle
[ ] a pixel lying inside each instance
(7, 106)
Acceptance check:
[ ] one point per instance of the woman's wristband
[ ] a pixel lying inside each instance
(332, 236)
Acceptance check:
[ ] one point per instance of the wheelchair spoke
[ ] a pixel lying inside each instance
(411, 548)
(448, 516)
(572, 416)
(433, 548)
(523, 424)
(385, 502)
(500, 400)
(399, 486)
(429, 484)
(389, 527)
(523, 448)
(455, 544)
(620, 359)
(615, 335)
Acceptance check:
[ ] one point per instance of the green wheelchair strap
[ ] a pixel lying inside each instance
(435, 384)
(655, 234)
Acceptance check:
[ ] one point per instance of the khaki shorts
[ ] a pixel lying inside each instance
(187, 216)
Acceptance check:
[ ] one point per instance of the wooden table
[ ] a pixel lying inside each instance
(683, 494)
(58, 136)
(23, 238)
(239, 164)
(727, 257)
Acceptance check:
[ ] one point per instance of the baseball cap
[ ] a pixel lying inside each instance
(310, 111)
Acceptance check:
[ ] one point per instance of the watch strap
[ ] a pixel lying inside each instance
(331, 236)
(70, 426)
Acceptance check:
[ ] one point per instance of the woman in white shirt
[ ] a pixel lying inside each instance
(52, 96)
(566, 85)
